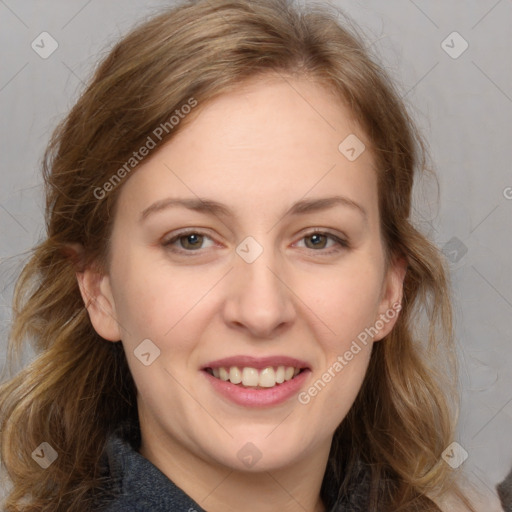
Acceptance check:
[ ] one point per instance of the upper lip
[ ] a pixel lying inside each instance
(257, 362)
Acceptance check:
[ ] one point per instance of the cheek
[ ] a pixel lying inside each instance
(155, 300)
(346, 301)
(152, 299)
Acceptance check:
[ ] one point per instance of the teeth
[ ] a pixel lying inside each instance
(267, 378)
(251, 377)
(235, 375)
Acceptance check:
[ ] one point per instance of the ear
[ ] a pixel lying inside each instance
(97, 295)
(391, 297)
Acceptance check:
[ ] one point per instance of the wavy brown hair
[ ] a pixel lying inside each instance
(79, 388)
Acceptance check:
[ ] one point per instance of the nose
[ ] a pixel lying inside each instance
(259, 300)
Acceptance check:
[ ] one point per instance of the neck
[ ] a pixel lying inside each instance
(218, 488)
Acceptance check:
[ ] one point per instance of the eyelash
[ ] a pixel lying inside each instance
(342, 244)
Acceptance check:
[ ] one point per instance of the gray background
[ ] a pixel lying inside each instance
(463, 105)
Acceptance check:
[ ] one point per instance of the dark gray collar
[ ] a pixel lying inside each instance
(133, 484)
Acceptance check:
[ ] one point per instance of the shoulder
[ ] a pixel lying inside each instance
(131, 483)
(479, 500)
(121, 505)
(505, 491)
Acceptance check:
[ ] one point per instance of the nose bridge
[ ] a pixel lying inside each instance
(258, 299)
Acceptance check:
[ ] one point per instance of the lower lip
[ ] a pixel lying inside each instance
(261, 397)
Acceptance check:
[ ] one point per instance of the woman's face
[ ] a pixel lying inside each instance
(238, 286)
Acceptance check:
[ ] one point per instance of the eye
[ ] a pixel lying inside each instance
(192, 241)
(319, 239)
(189, 240)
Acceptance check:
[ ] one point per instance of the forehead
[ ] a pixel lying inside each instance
(273, 140)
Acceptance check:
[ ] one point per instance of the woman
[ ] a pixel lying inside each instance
(226, 360)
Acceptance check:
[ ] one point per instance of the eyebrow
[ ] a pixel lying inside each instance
(300, 207)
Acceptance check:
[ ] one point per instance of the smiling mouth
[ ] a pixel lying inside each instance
(249, 377)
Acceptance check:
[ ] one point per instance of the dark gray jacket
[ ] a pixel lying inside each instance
(133, 484)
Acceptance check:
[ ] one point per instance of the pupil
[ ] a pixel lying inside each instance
(192, 239)
(316, 239)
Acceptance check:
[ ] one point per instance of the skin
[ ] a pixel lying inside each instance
(271, 143)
